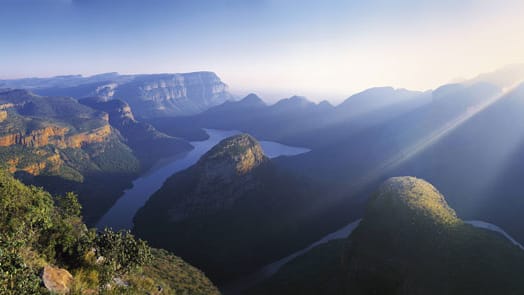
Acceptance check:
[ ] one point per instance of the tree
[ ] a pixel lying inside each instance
(16, 277)
(68, 205)
(120, 253)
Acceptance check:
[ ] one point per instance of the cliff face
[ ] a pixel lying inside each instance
(148, 143)
(119, 112)
(93, 136)
(3, 115)
(173, 94)
(154, 95)
(56, 136)
(41, 135)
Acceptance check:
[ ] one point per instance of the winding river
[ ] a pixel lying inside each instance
(120, 216)
(269, 270)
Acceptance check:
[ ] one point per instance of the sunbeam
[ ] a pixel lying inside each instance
(427, 141)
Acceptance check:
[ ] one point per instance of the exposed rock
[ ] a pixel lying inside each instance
(92, 136)
(222, 176)
(36, 138)
(120, 282)
(149, 95)
(119, 112)
(57, 136)
(236, 155)
(146, 141)
(57, 280)
(173, 94)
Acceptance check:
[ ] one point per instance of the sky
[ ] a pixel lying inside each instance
(277, 48)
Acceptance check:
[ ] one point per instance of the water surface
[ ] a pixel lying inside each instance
(120, 216)
(269, 270)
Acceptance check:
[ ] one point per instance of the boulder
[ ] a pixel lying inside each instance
(57, 280)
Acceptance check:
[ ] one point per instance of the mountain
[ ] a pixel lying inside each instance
(46, 248)
(173, 94)
(374, 99)
(504, 77)
(373, 149)
(148, 144)
(208, 213)
(409, 242)
(153, 95)
(297, 121)
(477, 163)
(63, 145)
(57, 81)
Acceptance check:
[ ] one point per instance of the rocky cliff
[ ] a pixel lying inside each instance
(173, 94)
(149, 95)
(56, 136)
(60, 144)
(148, 144)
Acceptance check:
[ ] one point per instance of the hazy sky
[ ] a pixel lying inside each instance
(322, 49)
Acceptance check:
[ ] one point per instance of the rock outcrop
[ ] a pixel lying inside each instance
(57, 280)
(236, 155)
(146, 141)
(42, 135)
(222, 176)
(56, 136)
(173, 94)
(3, 115)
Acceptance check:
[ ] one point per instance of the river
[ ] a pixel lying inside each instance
(269, 270)
(120, 216)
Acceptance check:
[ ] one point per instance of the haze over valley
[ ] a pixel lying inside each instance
(269, 147)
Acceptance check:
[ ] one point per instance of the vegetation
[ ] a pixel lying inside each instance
(280, 206)
(77, 152)
(148, 144)
(38, 230)
(409, 242)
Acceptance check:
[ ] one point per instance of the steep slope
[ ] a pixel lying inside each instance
(149, 144)
(62, 145)
(409, 242)
(149, 95)
(208, 213)
(39, 231)
(173, 94)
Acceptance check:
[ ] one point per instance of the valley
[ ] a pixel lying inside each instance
(120, 216)
(267, 147)
(295, 170)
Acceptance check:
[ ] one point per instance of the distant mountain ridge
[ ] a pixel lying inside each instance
(150, 95)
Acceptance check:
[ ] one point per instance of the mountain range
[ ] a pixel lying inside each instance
(149, 95)
(236, 210)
